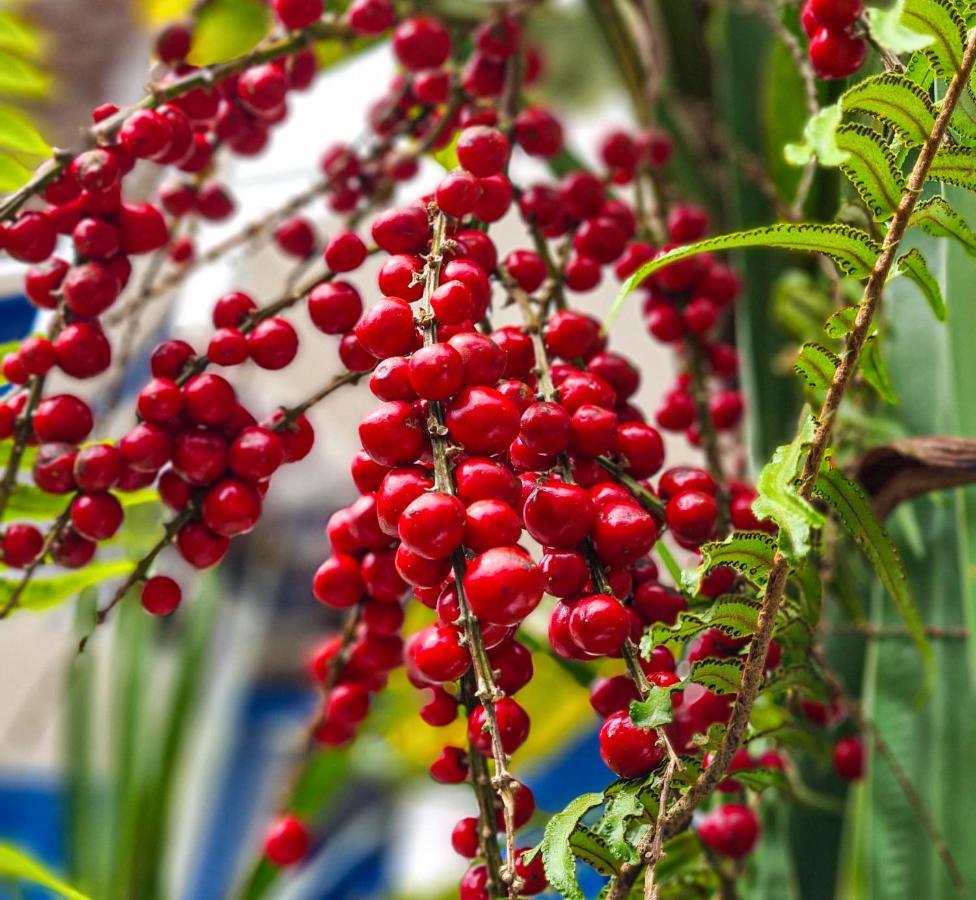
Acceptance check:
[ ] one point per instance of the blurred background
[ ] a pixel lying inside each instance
(149, 766)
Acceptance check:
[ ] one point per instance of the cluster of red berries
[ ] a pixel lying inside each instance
(835, 49)
(848, 754)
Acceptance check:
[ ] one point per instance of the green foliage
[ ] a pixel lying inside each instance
(18, 866)
(721, 676)
(750, 553)
(956, 166)
(895, 100)
(778, 498)
(557, 854)
(912, 266)
(937, 218)
(655, 709)
(45, 593)
(816, 366)
(890, 32)
(228, 28)
(871, 167)
(937, 19)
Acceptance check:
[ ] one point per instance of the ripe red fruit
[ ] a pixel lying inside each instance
(82, 350)
(436, 653)
(62, 417)
(334, 307)
(655, 603)
(484, 360)
(97, 515)
(160, 595)
(227, 347)
(345, 252)
(421, 43)
(392, 434)
(482, 420)
(730, 830)
(451, 767)
(90, 288)
(231, 507)
(836, 14)
(599, 624)
(338, 582)
(622, 533)
(21, 545)
(296, 237)
(848, 758)
(403, 230)
(457, 193)
(387, 328)
(256, 453)
(30, 237)
(491, 523)
(201, 547)
(464, 837)
(477, 478)
(558, 515)
(436, 372)
(200, 455)
(513, 726)
(297, 13)
(432, 526)
(208, 399)
(370, 16)
(262, 87)
(286, 842)
(452, 303)
(98, 467)
(273, 344)
(538, 133)
(611, 695)
(834, 54)
(692, 515)
(533, 874)
(545, 428)
(143, 228)
(640, 447)
(483, 151)
(473, 883)
(503, 585)
(627, 750)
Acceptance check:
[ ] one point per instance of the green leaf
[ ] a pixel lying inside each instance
(841, 322)
(19, 866)
(954, 166)
(854, 251)
(912, 265)
(623, 807)
(871, 167)
(938, 19)
(896, 101)
(963, 121)
(720, 676)
(557, 854)
(447, 157)
(18, 36)
(853, 509)
(750, 553)
(819, 140)
(18, 132)
(888, 30)
(732, 614)
(30, 502)
(228, 28)
(761, 779)
(874, 370)
(655, 710)
(592, 849)
(43, 593)
(778, 499)
(20, 78)
(816, 366)
(938, 219)
(13, 174)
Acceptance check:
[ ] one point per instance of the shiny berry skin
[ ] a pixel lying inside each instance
(160, 595)
(41, 281)
(392, 434)
(725, 408)
(297, 13)
(612, 695)
(730, 830)
(482, 420)
(387, 328)
(20, 545)
(201, 547)
(98, 467)
(457, 193)
(231, 507)
(836, 14)
(451, 767)
(273, 344)
(286, 841)
(97, 515)
(464, 837)
(169, 358)
(296, 237)
(89, 289)
(484, 360)
(503, 585)
(626, 749)
(834, 54)
(640, 447)
(31, 237)
(82, 350)
(513, 726)
(545, 428)
(334, 307)
(565, 572)
(200, 456)
(655, 603)
(436, 372)
(473, 883)
(483, 151)
(262, 87)
(848, 758)
(495, 200)
(432, 526)
(256, 453)
(538, 133)
(558, 515)
(208, 399)
(62, 417)
(345, 252)
(599, 624)
(421, 43)
(491, 523)
(691, 515)
(173, 42)
(143, 228)
(685, 478)
(622, 533)
(37, 355)
(227, 347)
(338, 582)
(452, 303)
(403, 230)
(436, 653)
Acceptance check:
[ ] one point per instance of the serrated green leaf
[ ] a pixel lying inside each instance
(13, 174)
(912, 265)
(20, 78)
(853, 509)
(17, 132)
(816, 366)
(841, 322)
(731, 613)
(622, 809)
(720, 676)
(896, 101)
(750, 553)
(938, 19)
(655, 709)
(963, 121)
(871, 167)
(43, 593)
(227, 28)
(937, 218)
(819, 140)
(761, 779)
(557, 854)
(889, 31)
(592, 849)
(853, 250)
(802, 678)
(778, 499)
(954, 166)
(18, 866)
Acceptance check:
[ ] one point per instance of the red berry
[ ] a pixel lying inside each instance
(97, 467)
(387, 328)
(612, 695)
(622, 533)
(201, 547)
(297, 13)
(208, 399)
(370, 16)
(628, 750)
(730, 830)
(62, 417)
(452, 303)
(334, 307)
(286, 842)
(160, 595)
(338, 582)
(655, 603)
(848, 758)
(599, 624)
(503, 585)
(345, 252)
(231, 507)
(273, 344)
(402, 230)
(262, 87)
(392, 434)
(836, 14)
(538, 132)
(482, 420)
(834, 54)
(692, 515)
(465, 837)
(436, 653)
(21, 545)
(513, 726)
(436, 372)
(97, 515)
(421, 43)
(558, 515)
(483, 151)
(491, 523)
(432, 526)
(30, 237)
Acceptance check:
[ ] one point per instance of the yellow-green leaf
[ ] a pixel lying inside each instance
(17, 132)
(18, 866)
(228, 28)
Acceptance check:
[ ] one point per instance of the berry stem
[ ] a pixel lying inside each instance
(485, 688)
(680, 813)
